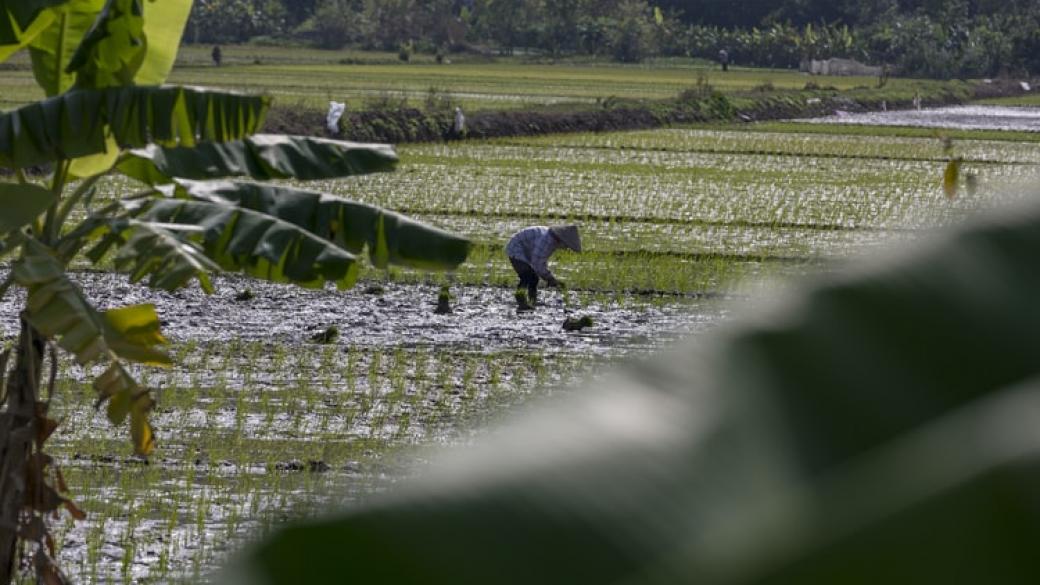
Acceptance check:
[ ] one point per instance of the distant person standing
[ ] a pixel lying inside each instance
(218, 55)
(724, 59)
(459, 127)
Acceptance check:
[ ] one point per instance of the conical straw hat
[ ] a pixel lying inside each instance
(568, 234)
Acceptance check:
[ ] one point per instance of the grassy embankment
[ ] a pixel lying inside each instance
(306, 79)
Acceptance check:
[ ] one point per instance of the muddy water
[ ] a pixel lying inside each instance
(1024, 119)
(484, 318)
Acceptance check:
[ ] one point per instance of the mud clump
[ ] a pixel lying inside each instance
(443, 302)
(313, 466)
(329, 335)
(443, 307)
(577, 323)
(245, 295)
(374, 289)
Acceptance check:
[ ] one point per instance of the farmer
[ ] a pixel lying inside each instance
(724, 59)
(459, 127)
(217, 55)
(529, 251)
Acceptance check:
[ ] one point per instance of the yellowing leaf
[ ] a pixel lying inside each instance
(116, 385)
(136, 324)
(140, 429)
(127, 398)
(95, 164)
(132, 331)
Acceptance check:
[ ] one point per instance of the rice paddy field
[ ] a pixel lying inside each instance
(311, 78)
(684, 228)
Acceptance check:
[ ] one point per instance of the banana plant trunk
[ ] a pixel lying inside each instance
(17, 431)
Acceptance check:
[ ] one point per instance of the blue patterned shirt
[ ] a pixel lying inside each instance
(534, 245)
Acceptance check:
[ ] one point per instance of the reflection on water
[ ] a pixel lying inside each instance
(1025, 119)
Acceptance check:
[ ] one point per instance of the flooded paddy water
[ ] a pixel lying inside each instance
(972, 117)
(390, 315)
(258, 421)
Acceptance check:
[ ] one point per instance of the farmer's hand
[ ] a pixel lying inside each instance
(556, 283)
(551, 281)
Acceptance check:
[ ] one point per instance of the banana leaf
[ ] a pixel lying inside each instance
(58, 309)
(124, 48)
(92, 44)
(126, 398)
(80, 123)
(113, 49)
(160, 252)
(21, 204)
(53, 48)
(21, 21)
(163, 28)
(262, 157)
(257, 242)
(291, 235)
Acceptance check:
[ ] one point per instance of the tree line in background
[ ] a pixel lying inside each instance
(929, 38)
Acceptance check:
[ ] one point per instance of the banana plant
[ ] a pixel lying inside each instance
(199, 209)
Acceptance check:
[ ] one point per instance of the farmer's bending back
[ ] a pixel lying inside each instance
(529, 251)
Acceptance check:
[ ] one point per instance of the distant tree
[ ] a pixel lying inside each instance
(559, 30)
(725, 13)
(389, 23)
(335, 23)
(935, 38)
(1026, 44)
(507, 23)
(298, 11)
(234, 21)
(633, 36)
